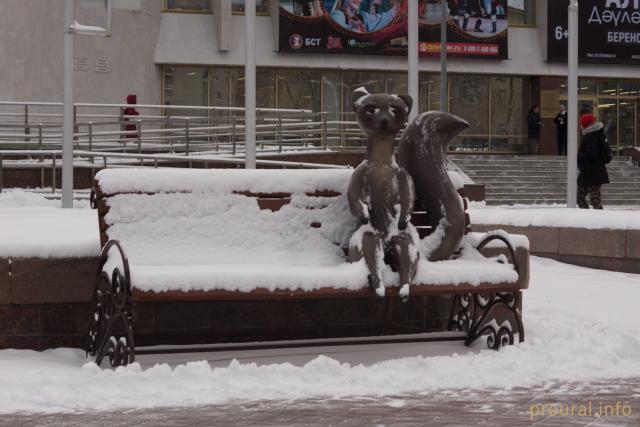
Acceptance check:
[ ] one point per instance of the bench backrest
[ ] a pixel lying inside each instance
(202, 215)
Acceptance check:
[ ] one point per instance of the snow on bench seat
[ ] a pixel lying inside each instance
(198, 230)
(344, 276)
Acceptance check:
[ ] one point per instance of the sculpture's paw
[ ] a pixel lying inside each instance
(377, 287)
(404, 292)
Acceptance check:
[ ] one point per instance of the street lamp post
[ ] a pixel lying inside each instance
(250, 84)
(412, 57)
(572, 108)
(67, 109)
(72, 27)
(444, 96)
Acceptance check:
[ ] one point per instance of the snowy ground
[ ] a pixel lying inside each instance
(581, 325)
(612, 217)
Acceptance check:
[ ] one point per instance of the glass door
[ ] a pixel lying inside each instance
(608, 114)
(587, 105)
(628, 121)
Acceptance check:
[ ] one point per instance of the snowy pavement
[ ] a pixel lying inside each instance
(581, 326)
(598, 403)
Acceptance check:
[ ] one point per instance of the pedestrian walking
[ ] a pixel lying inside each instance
(534, 123)
(131, 111)
(593, 155)
(561, 127)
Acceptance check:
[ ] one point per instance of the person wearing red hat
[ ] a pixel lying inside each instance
(131, 111)
(593, 154)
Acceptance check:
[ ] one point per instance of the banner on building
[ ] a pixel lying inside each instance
(608, 31)
(476, 28)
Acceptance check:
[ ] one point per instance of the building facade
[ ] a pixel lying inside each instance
(191, 52)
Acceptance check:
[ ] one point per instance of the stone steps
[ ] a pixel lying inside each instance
(542, 179)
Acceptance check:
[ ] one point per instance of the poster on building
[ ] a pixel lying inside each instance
(476, 28)
(608, 31)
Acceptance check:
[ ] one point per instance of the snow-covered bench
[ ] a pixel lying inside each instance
(234, 234)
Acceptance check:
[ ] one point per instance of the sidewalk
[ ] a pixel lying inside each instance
(510, 408)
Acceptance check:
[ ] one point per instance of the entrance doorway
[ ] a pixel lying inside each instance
(620, 116)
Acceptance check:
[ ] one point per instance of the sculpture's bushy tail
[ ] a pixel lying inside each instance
(423, 153)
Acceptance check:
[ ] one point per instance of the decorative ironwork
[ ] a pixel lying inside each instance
(476, 314)
(512, 252)
(111, 329)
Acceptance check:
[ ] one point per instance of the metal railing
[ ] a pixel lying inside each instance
(159, 133)
(49, 162)
(181, 129)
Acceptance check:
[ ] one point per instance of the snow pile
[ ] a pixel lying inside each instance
(577, 330)
(17, 198)
(48, 232)
(557, 217)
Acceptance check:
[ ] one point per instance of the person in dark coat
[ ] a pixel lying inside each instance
(593, 170)
(534, 123)
(561, 126)
(131, 111)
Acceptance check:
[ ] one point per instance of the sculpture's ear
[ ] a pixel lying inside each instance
(358, 96)
(408, 101)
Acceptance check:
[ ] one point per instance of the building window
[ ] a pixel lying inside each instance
(522, 12)
(496, 106)
(262, 6)
(188, 5)
(615, 103)
(185, 86)
(299, 89)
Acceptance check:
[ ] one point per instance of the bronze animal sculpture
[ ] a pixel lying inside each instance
(423, 154)
(381, 193)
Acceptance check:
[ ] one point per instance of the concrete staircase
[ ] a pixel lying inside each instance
(542, 179)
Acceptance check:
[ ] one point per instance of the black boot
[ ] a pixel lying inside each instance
(494, 27)
(478, 24)
(465, 23)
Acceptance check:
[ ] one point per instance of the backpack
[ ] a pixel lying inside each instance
(606, 155)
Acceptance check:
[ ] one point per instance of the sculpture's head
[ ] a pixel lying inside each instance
(380, 113)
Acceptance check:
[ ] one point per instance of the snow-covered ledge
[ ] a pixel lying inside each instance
(608, 239)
